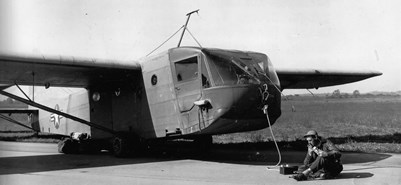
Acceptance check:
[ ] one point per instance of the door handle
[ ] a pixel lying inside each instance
(177, 88)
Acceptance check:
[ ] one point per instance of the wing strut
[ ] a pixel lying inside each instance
(69, 116)
(24, 92)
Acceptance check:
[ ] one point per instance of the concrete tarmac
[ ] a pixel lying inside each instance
(38, 163)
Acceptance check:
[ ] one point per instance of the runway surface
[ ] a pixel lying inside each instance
(38, 163)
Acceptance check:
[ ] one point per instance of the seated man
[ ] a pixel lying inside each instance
(322, 160)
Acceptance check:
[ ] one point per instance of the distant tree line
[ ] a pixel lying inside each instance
(337, 94)
(10, 103)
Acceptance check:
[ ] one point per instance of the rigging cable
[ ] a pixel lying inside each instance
(310, 92)
(193, 37)
(166, 40)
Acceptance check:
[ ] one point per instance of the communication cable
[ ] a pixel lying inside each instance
(274, 139)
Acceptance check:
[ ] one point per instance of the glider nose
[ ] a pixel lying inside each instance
(249, 103)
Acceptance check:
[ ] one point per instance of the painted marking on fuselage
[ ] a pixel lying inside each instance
(55, 118)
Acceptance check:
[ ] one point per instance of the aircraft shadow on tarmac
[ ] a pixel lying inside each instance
(256, 155)
(42, 163)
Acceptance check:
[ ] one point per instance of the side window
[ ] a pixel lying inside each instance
(187, 69)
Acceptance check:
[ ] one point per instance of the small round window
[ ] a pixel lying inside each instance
(154, 80)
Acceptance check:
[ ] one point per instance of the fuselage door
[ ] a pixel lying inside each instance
(187, 82)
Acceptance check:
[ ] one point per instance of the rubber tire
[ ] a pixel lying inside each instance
(121, 147)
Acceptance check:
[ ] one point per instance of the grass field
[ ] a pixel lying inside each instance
(355, 124)
(29, 136)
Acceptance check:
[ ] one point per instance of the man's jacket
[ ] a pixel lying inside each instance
(325, 145)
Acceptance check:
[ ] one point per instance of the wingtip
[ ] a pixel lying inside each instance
(376, 73)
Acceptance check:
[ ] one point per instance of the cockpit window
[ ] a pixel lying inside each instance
(187, 69)
(226, 72)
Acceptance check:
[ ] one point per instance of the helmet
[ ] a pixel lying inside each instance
(312, 133)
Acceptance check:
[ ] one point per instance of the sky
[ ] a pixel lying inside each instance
(313, 34)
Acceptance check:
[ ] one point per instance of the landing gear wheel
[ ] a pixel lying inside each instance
(120, 147)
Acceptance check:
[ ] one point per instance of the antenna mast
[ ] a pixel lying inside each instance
(185, 26)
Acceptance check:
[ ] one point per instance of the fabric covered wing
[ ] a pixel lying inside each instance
(64, 71)
(309, 78)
